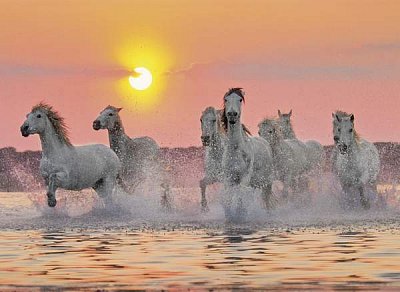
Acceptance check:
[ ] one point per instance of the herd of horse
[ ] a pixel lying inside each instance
(233, 156)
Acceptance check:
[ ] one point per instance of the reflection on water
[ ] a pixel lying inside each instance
(205, 258)
(145, 248)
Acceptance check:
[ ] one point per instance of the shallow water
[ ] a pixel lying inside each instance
(187, 249)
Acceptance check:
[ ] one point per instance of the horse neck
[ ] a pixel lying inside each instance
(215, 149)
(117, 137)
(353, 149)
(235, 135)
(277, 144)
(52, 145)
(288, 132)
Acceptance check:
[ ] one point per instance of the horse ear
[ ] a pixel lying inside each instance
(279, 113)
(119, 109)
(352, 118)
(290, 113)
(335, 116)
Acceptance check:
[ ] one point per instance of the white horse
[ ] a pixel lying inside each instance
(213, 142)
(289, 156)
(314, 150)
(246, 160)
(66, 166)
(355, 161)
(140, 157)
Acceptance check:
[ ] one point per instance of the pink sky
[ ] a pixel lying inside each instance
(310, 56)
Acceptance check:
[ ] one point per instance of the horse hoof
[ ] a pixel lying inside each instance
(204, 207)
(51, 202)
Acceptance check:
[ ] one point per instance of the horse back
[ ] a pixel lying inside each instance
(262, 152)
(144, 147)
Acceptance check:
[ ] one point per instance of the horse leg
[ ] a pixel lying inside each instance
(51, 190)
(203, 185)
(364, 200)
(267, 196)
(287, 183)
(166, 197)
(54, 181)
(104, 188)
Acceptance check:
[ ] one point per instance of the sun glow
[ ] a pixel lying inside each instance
(143, 80)
(142, 89)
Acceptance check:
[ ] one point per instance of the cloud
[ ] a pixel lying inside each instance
(281, 70)
(32, 70)
(388, 46)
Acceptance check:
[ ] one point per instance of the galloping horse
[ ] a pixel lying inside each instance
(139, 156)
(66, 166)
(314, 151)
(246, 160)
(355, 161)
(290, 159)
(212, 140)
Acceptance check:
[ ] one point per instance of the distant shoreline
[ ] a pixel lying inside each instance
(19, 171)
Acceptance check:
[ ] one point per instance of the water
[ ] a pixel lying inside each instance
(66, 248)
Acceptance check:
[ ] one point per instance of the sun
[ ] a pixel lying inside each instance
(142, 80)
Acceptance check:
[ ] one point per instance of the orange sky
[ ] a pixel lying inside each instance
(311, 56)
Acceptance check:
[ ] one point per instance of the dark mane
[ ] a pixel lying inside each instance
(238, 90)
(56, 120)
(224, 122)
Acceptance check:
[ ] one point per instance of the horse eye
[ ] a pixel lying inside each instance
(241, 99)
(39, 116)
(270, 131)
(110, 114)
(351, 130)
(338, 130)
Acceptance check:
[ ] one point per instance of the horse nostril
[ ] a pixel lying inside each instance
(96, 124)
(232, 114)
(25, 128)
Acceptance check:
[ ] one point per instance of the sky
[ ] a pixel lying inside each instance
(313, 57)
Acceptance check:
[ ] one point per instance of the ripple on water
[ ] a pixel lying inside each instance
(154, 250)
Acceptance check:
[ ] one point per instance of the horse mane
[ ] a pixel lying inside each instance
(223, 120)
(56, 120)
(342, 114)
(112, 108)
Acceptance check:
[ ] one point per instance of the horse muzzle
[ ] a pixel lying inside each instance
(343, 148)
(96, 125)
(25, 130)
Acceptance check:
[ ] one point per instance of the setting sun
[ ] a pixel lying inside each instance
(143, 79)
